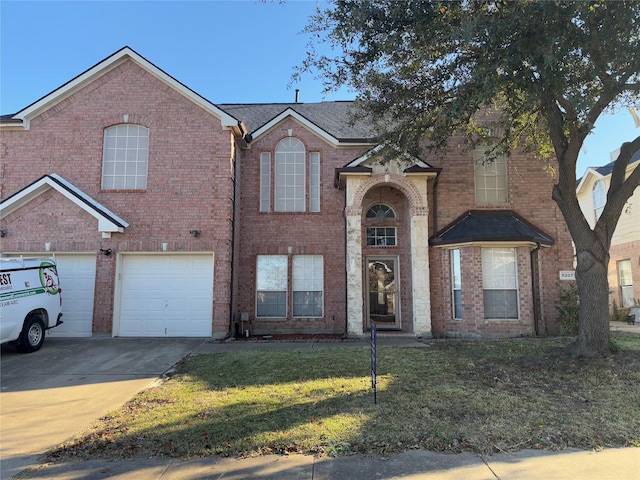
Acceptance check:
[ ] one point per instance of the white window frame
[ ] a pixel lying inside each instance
(491, 178)
(308, 286)
(271, 286)
(285, 179)
(625, 280)
(314, 181)
(456, 284)
(599, 197)
(290, 176)
(500, 276)
(125, 157)
(265, 182)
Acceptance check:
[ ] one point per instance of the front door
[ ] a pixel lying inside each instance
(383, 306)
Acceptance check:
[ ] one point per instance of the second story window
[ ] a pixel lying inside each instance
(490, 178)
(599, 199)
(125, 157)
(296, 178)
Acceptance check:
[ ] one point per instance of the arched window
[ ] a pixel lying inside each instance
(599, 198)
(291, 176)
(380, 212)
(125, 157)
(383, 236)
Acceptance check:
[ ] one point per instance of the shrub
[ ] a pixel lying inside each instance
(618, 314)
(568, 309)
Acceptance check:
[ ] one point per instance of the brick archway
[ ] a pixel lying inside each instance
(416, 202)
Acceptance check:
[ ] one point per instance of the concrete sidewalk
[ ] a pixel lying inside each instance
(614, 464)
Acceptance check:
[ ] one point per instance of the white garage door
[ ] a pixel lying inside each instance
(77, 279)
(166, 296)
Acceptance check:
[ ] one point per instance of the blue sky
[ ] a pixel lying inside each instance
(241, 51)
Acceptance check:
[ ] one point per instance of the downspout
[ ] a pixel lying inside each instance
(230, 333)
(435, 204)
(535, 290)
(242, 136)
(346, 279)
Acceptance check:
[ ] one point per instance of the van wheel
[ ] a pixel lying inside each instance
(32, 336)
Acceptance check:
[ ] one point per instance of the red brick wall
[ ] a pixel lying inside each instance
(530, 187)
(189, 180)
(272, 233)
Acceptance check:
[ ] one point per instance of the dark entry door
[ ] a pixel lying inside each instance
(383, 305)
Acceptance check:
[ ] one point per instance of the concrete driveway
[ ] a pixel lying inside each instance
(50, 395)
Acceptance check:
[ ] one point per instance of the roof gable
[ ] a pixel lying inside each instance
(385, 155)
(384, 159)
(602, 172)
(332, 121)
(124, 54)
(108, 221)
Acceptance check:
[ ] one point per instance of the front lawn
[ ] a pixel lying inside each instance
(449, 396)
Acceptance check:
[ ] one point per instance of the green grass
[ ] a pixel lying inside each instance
(450, 396)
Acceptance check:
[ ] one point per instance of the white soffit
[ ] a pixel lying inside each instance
(591, 172)
(362, 160)
(303, 120)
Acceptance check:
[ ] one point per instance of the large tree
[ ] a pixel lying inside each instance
(426, 69)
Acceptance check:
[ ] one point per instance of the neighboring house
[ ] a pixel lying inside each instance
(173, 216)
(624, 260)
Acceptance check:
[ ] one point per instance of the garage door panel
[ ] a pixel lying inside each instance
(77, 279)
(166, 295)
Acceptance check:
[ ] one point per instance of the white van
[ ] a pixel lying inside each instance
(30, 301)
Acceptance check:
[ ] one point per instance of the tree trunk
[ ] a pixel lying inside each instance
(592, 256)
(593, 291)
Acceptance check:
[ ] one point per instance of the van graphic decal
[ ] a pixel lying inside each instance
(49, 278)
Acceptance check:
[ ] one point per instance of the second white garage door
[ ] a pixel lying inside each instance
(165, 296)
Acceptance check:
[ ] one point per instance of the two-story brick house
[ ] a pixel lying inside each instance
(173, 216)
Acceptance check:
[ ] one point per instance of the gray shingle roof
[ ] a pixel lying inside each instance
(334, 118)
(608, 168)
(490, 226)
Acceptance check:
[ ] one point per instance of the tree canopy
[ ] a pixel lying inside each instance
(423, 70)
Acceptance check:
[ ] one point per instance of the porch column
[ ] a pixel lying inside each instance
(420, 273)
(355, 312)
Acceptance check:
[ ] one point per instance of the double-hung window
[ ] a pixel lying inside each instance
(626, 283)
(491, 182)
(295, 185)
(500, 283)
(272, 285)
(125, 157)
(308, 286)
